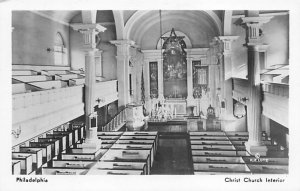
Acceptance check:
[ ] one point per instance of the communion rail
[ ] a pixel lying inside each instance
(117, 122)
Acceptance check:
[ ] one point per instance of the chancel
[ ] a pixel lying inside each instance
(148, 92)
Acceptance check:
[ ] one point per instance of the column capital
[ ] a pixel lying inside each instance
(227, 42)
(85, 27)
(89, 32)
(253, 28)
(123, 46)
(255, 20)
(122, 43)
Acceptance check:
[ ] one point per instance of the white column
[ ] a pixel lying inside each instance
(160, 80)
(123, 56)
(253, 25)
(190, 97)
(98, 63)
(89, 35)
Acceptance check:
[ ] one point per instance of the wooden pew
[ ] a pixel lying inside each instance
(268, 169)
(53, 72)
(210, 142)
(217, 153)
(46, 147)
(26, 161)
(16, 167)
(108, 141)
(73, 163)
(53, 84)
(138, 142)
(83, 154)
(236, 133)
(79, 126)
(110, 133)
(142, 138)
(37, 156)
(142, 134)
(222, 168)
(113, 155)
(67, 76)
(218, 159)
(32, 78)
(56, 149)
(105, 165)
(240, 147)
(136, 147)
(206, 133)
(64, 171)
(108, 137)
(62, 140)
(207, 138)
(213, 147)
(220, 172)
(68, 134)
(239, 138)
(114, 172)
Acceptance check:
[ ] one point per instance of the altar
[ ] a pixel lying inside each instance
(178, 105)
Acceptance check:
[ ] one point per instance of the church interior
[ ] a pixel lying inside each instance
(150, 92)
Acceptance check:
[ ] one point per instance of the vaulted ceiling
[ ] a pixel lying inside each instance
(143, 26)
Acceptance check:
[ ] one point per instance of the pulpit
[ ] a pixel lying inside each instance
(134, 117)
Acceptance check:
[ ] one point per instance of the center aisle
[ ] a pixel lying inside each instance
(173, 155)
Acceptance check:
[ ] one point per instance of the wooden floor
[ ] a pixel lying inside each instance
(173, 154)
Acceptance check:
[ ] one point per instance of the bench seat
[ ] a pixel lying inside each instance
(218, 159)
(16, 167)
(217, 167)
(113, 155)
(32, 78)
(114, 172)
(107, 165)
(46, 147)
(26, 160)
(37, 156)
(54, 84)
(64, 171)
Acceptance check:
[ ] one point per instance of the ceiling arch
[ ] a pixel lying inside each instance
(194, 21)
(119, 23)
(140, 16)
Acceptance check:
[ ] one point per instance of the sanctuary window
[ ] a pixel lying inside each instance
(174, 67)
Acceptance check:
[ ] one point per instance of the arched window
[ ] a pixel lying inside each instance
(60, 52)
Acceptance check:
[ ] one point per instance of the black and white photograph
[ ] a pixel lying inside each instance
(165, 97)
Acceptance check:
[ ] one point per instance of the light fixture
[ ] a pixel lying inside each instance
(102, 100)
(49, 50)
(17, 132)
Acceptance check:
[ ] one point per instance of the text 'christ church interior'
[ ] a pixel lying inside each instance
(150, 92)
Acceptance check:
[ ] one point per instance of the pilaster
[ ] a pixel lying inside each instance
(190, 97)
(123, 56)
(160, 80)
(226, 70)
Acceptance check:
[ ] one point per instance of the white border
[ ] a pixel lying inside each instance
(7, 181)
